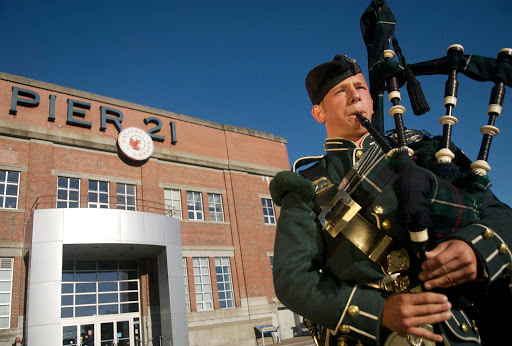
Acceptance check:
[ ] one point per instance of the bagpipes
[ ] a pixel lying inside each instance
(414, 184)
(428, 177)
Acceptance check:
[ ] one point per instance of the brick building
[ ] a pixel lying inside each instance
(132, 222)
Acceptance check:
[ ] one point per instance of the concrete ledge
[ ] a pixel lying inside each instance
(106, 144)
(227, 334)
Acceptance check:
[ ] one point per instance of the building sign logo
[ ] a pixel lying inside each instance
(135, 143)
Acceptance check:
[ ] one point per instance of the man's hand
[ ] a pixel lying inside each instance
(405, 312)
(451, 263)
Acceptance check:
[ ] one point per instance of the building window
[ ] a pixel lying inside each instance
(224, 282)
(104, 287)
(268, 211)
(215, 207)
(185, 276)
(98, 194)
(194, 205)
(126, 197)
(9, 188)
(202, 283)
(6, 266)
(172, 200)
(68, 192)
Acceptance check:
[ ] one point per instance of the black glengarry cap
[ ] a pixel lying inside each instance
(324, 77)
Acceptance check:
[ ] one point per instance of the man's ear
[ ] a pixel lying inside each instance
(318, 113)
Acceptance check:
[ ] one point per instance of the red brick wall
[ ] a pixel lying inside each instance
(243, 229)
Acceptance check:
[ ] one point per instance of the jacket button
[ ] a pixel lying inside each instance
(353, 310)
(473, 325)
(378, 209)
(464, 327)
(386, 224)
(345, 329)
(503, 249)
(488, 234)
(359, 154)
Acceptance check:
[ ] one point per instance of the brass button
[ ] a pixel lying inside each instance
(473, 325)
(342, 341)
(345, 329)
(386, 224)
(378, 209)
(353, 310)
(359, 154)
(488, 234)
(503, 249)
(464, 327)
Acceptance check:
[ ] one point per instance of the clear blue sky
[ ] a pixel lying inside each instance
(243, 63)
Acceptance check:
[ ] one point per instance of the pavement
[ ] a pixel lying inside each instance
(298, 341)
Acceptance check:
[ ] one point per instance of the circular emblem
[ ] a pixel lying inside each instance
(135, 143)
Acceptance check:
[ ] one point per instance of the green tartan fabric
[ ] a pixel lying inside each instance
(476, 67)
(376, 31)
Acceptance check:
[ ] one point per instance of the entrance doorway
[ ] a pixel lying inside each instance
(115, 333)
(122, 331)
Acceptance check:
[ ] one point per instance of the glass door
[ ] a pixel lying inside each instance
(87, 334)
(77, 335)
(107, 334)
(117, 333)
(69, 335)
(123, 333)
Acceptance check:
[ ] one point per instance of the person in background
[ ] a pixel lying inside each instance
(88, 339)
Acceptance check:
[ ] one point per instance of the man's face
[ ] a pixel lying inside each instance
(339, 107)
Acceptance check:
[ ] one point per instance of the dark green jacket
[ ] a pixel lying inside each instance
(320, 281)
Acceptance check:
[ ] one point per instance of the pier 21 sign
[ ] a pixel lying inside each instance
(77, 110)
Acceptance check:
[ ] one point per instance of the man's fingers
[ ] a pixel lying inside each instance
(426, 334)
(430, 319)
(425, 298)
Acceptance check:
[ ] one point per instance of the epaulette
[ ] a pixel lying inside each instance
(287, 181)
(306, 160)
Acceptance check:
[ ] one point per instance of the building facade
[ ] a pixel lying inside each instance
(132, 224)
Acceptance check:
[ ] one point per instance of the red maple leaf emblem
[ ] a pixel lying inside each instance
(135, 144)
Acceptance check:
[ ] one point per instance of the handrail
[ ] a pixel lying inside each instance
(50, 202)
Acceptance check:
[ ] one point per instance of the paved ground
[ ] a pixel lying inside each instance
(299, 341)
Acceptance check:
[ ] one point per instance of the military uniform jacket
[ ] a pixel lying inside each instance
(328, 284)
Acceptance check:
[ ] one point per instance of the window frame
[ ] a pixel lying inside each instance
(223, 263)
(187, 290)
(82, 286)
(98, 194)
(173, 203)
(10, 268)
(215, 216)
(192, 204)
(6, 184)
(126, 196)
(203, 280)
(68, 193)
(269, 219)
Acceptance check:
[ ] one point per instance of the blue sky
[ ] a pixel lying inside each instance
(243, 63)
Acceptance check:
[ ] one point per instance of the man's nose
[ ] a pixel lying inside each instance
(354, 96)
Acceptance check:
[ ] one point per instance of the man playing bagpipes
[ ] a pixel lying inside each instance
(377, 239)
